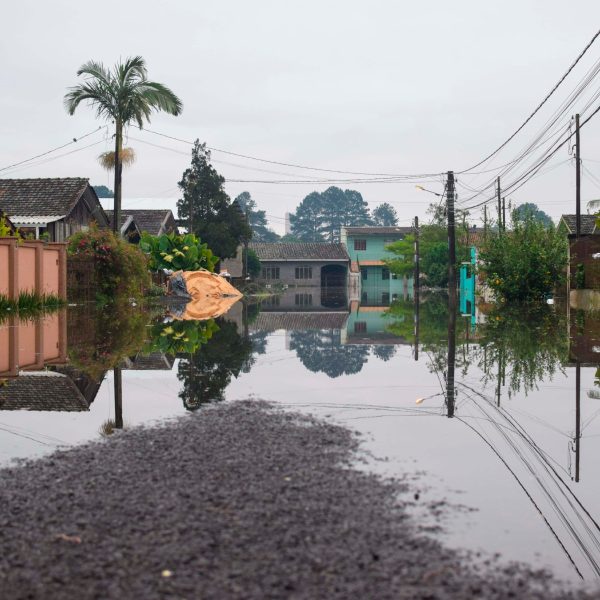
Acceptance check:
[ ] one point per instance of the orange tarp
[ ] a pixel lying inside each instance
(212, 295)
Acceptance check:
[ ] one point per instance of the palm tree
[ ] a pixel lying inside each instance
(122, 95)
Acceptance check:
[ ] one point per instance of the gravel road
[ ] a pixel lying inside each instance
(241, 500)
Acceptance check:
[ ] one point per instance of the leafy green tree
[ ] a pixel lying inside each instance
(385, 215)
(307, 221)
(177, 252)
(526, 211)
(122, 95)
(257, 219)
(526, 263)
(216, 220)
(404, 249)
(252, 261)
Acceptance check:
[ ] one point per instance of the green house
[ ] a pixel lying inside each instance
(373, 283)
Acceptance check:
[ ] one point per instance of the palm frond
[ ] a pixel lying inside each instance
(107, 159)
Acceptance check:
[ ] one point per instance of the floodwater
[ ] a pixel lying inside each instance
(512, 447)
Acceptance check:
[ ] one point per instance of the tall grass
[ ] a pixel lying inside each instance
(29, 303)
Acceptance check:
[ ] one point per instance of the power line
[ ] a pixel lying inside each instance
(73, 141)
(539, 106)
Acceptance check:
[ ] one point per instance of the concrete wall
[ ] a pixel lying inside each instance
(32, 266)
(375, 249)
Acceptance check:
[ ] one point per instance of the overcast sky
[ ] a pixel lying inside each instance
(381, 86)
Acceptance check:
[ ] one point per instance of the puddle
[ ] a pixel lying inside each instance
(518, 440)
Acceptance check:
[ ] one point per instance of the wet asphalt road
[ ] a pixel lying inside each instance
(241, 500)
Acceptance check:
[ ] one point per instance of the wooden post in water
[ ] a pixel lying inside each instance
(416, 288)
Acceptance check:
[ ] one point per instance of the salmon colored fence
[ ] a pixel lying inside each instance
(32, 266)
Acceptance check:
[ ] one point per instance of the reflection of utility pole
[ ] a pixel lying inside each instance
(416, 288)
(577, 417)
(499, 377)
(118, 398)
(451, 354)
(577, 180)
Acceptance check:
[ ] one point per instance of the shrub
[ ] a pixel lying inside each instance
(121, 268)
(177, 252)
(526, 263)
(253, 262)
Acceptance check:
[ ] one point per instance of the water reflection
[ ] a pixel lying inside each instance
(521, 387)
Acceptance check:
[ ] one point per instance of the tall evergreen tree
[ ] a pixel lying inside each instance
(320, 216)
(385, 215)
(257, 219)
(207, 208)
(308, 219)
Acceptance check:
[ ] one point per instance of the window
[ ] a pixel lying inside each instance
(364, 273)
(364, 298)
(270, 273)
(385, 298)
(271, 301)
(360, 327)
(303, 272)
(385, 273)
(394, 276)
(303, 300)
(360, 244)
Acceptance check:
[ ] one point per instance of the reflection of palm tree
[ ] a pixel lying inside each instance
(122, 95)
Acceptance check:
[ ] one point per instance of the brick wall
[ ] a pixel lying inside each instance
(581, 252)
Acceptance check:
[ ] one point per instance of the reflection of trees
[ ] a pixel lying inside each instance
(384, 353)
(529, 343)
(207, 372)
(322, 352)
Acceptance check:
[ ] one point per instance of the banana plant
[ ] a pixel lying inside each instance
(177, 252)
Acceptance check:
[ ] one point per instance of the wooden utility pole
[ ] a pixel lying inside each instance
(485, 222)
(577, 179)
(503, 213)
(499, 208)
(416, 288)
(451, 236)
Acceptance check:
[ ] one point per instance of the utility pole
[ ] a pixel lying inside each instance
(485, 222)
(577, 417)
(503, 213)
(577, 179)
(451, 236)
(416, 288)
(499, 208)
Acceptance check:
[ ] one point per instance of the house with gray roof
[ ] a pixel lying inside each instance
(568, 224)
(155, 221)
(303, 264)
(55, 207)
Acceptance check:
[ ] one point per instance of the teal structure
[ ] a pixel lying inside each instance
(467, 288)
(366, 247)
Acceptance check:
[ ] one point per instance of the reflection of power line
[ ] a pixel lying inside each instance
(565, 492)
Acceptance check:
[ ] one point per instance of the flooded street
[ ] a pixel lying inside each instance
(513, 453)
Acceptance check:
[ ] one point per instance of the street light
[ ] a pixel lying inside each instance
(420, 187)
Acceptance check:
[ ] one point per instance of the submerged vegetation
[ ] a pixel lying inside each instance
(30, 303)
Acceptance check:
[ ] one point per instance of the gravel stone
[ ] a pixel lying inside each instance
(241, 500)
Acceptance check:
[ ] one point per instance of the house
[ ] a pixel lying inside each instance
(303, 264)
(155, 221)
(370, 277)
(584, 252)
(52, 208)
(128, 229)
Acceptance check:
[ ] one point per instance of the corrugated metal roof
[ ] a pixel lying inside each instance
(19, 220)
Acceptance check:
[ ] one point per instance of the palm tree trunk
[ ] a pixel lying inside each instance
(118, 170)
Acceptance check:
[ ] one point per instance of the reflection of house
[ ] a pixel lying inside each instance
(299, 321)
(56, 207)
(42, 390)
(155, 361)
(304, 264)
(307, 299)
(154, 221)
(369, 325)
(367, 250)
